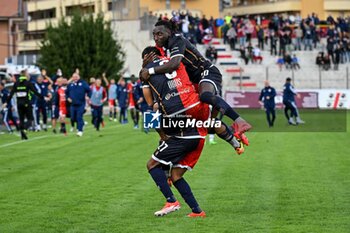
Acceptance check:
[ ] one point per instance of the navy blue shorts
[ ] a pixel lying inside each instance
(213, 76)
(55, 112)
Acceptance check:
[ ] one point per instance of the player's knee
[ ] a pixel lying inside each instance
(177, 173)
(151, 164)
(175, 177)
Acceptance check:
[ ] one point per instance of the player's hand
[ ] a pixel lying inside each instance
(155, 106)
(47, 98)
(148, 58)
(69, 100)
(298, 96)
(144, 74)
(4, 105)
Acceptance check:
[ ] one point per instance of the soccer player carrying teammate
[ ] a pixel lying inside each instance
(179, 148)
(200, 71)
(180, 97)
(112, 97)
(98, 97)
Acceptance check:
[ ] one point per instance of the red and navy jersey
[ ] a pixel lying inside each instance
(194, 62)
(61, 94)
(174, 92)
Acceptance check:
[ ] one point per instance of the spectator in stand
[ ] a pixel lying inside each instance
(257, 55)
(295, 62)
(320, 60)
(345, 43)
(241, 35)
(232, 35)
(211, 54)
(160, 17)
(250, 51)
(315, 34)
(267, 35)
(280, 62)
(243, 55)
(204, 22)
(347, 46)
(308, 37)
(185, 23)
(228, 19)
(224, 31)
(337, 54)
(330, 48)
(298, 34)
(327, 62)
(165, 17)
(288, 61)
(207, 36)
(261, 36)
(273, 43)
(283, 43)
(249, 29)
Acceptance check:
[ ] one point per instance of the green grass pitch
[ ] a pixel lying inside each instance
(285, 182)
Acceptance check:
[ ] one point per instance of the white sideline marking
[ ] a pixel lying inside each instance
(45, 136)
(18, 142)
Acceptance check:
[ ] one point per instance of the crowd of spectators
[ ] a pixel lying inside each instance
(280, 34)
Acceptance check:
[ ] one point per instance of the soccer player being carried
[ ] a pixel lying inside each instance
(200, 71)
(178, 96)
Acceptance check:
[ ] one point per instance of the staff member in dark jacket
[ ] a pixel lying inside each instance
(24, 89)
(76, 95)
(267, 97)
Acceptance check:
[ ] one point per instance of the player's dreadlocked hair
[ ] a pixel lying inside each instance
(169, 24)
(150, 49)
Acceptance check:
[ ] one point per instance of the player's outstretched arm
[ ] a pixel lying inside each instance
(170, 66)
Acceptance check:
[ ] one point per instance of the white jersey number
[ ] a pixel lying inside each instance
(168, 75)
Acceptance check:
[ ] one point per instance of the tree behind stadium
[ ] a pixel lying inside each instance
(86, 43)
